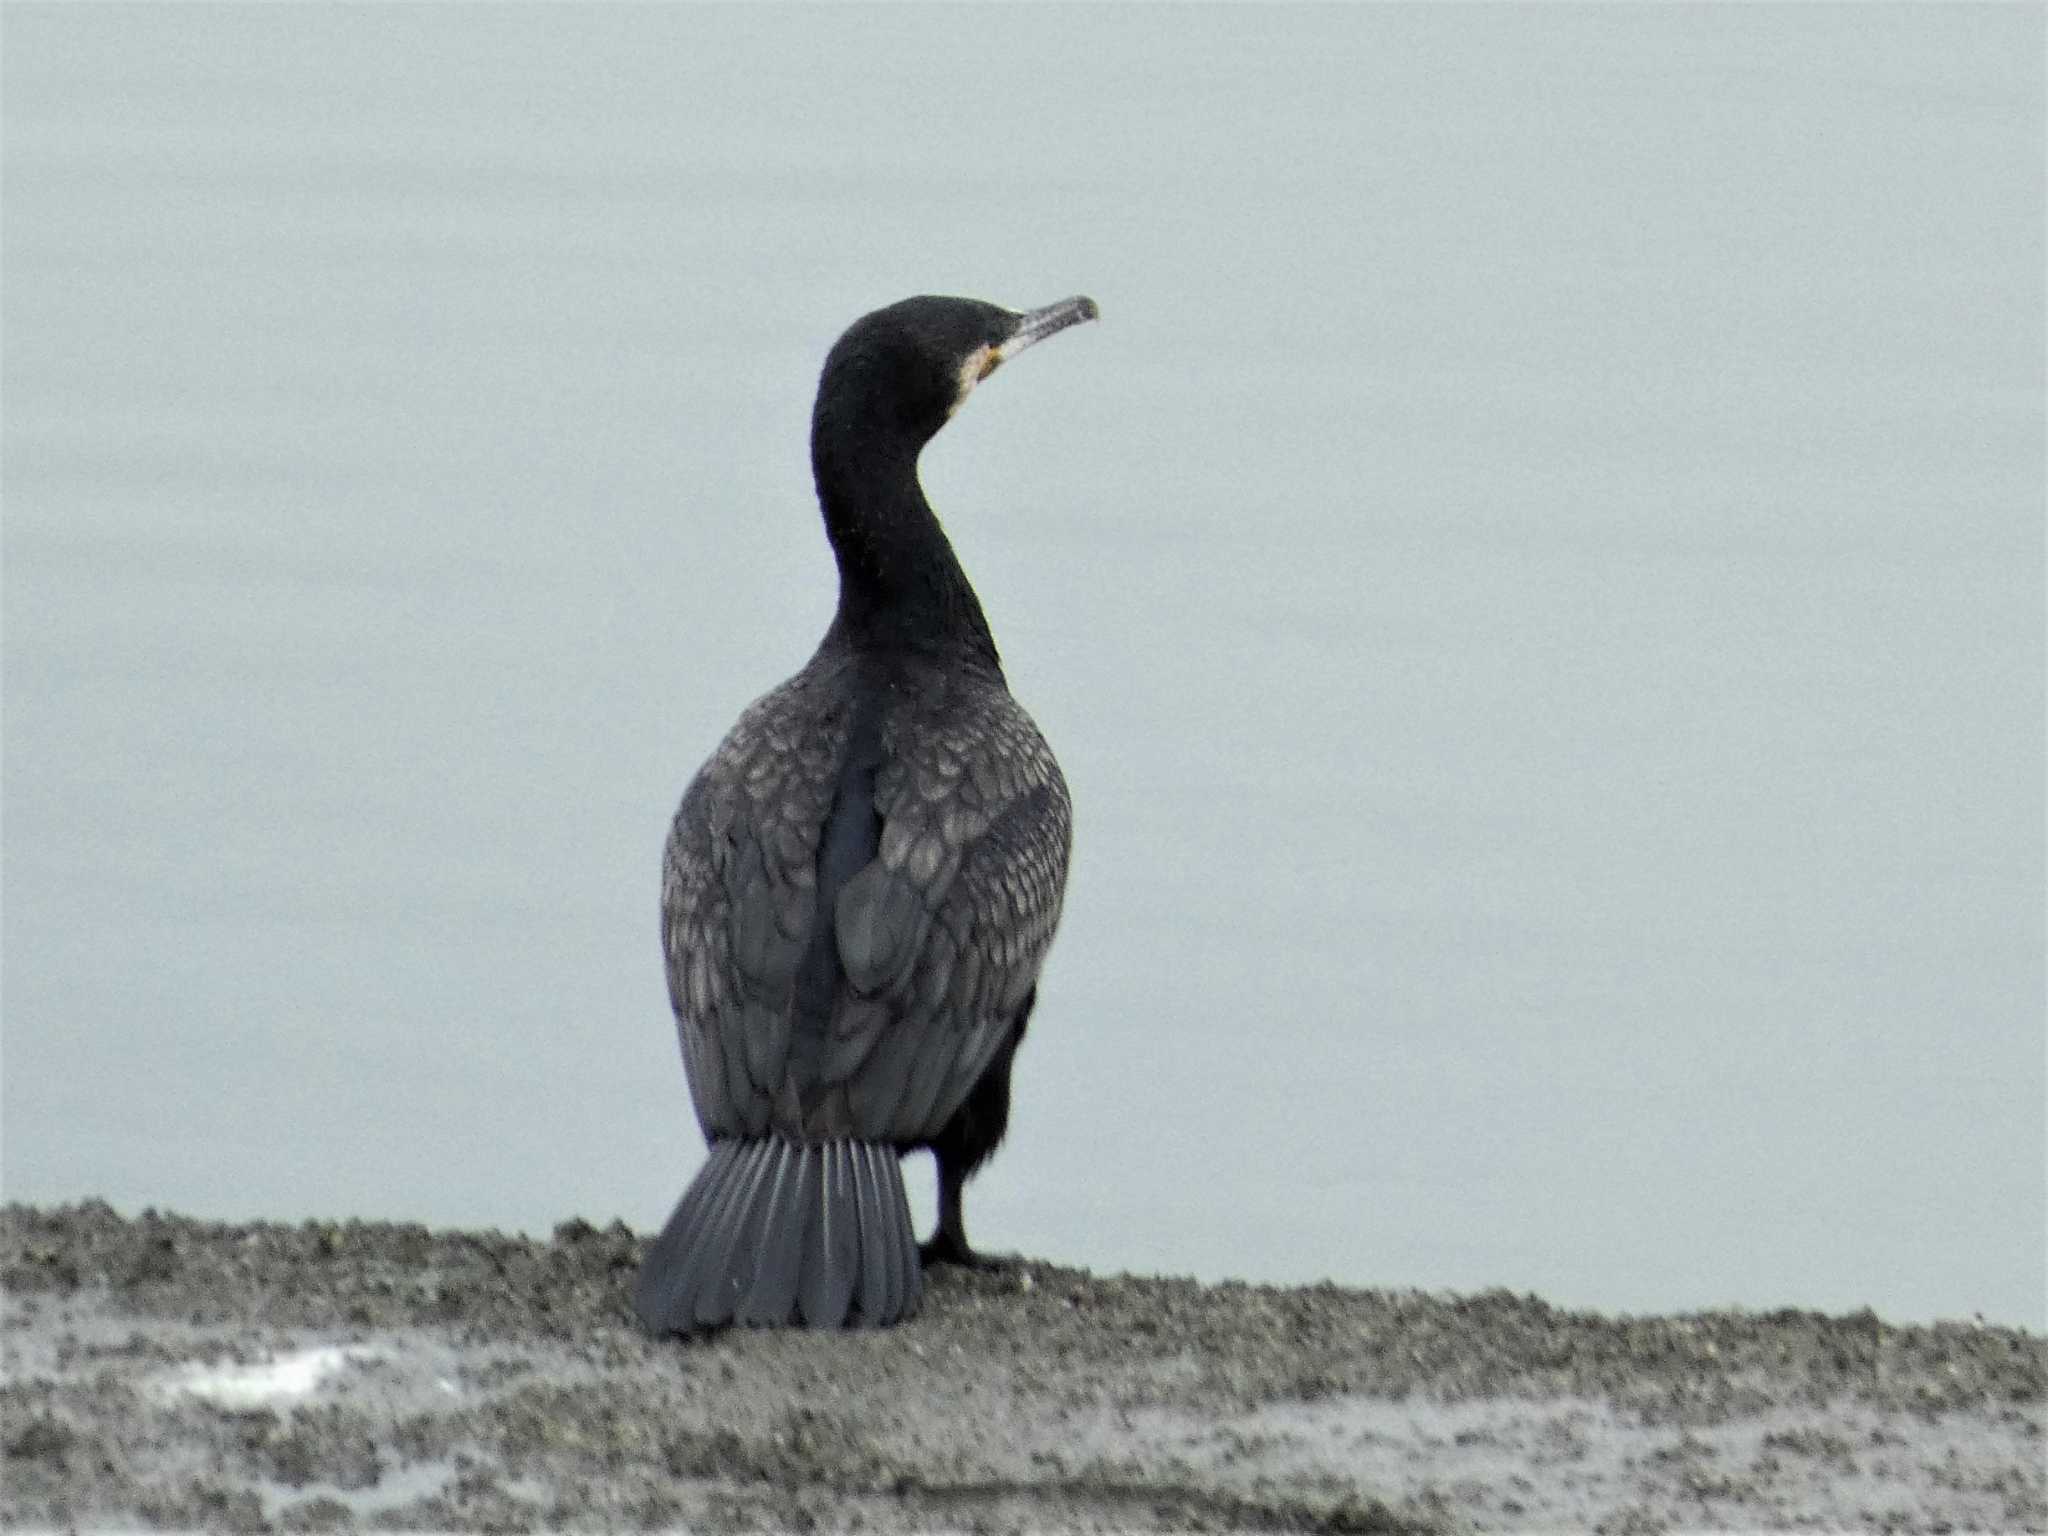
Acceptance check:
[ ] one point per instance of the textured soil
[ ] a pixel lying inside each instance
(168, 1373)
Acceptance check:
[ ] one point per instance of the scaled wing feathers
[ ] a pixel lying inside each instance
(938, 939)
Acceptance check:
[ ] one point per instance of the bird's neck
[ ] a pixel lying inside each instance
(900, 585)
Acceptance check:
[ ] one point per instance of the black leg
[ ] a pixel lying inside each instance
(949, 1243)
(964, 1144)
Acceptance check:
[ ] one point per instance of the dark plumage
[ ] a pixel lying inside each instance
(861, 883)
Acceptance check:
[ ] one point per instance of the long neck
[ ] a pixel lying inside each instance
(900, 585)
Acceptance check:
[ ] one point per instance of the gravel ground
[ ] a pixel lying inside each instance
(168, 1373)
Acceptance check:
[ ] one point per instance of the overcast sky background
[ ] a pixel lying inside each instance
(1536, 581)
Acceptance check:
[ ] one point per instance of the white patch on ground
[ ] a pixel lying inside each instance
(279, 1379)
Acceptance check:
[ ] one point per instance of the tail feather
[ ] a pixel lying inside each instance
(706, 1260)
(904, 1258)
(893, 1277)
(778, 1266)
(774, 1233)
(810, 1271)
(874, 1268)
(832, 1265)
(737, 1257)
(699, 1214)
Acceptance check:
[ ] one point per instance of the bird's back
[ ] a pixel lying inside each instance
(858, 891)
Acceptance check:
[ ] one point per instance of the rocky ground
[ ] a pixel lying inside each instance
(168, 1373)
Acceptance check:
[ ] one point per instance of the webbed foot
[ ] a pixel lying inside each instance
(947, 1247)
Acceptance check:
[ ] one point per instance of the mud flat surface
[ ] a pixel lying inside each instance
(167, 1373)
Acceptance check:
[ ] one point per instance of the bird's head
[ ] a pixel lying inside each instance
(904, 370)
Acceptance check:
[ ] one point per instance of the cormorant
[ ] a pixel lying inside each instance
(861, 884)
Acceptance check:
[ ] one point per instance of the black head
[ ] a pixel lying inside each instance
(902, 371)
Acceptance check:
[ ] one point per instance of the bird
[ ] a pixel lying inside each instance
(861, 884)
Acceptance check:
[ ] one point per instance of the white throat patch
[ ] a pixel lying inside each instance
(975, 367)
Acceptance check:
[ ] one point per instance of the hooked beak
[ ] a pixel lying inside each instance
(1035, 325)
